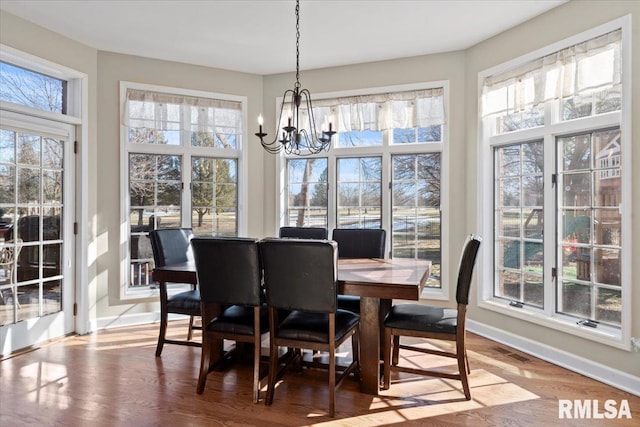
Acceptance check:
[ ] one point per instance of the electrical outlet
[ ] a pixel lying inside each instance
(635, 344)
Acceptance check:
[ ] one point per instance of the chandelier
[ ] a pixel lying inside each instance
(296, 138)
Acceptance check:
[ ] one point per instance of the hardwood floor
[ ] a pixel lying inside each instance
(112, 378)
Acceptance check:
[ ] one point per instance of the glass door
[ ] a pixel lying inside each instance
(36, 231)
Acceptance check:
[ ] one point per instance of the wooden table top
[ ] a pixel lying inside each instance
(397, 278)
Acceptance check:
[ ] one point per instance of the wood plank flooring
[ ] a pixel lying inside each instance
(112, 378)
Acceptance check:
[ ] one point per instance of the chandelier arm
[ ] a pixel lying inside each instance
(295, 138)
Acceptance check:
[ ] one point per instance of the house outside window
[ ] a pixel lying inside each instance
(551, 133)
(183, 152)
(384, 170)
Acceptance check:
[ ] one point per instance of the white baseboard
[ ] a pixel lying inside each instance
(132, 320)
(588, 368)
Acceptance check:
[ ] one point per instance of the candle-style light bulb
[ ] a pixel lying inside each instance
(260, 122)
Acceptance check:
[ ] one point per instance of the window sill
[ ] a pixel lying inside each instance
(148, 293)
(603, 335)
(438, 294)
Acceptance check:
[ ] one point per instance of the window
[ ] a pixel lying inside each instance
(415, 206)
(359, 192)
(551, 134)
(40, 258)
(307, 192)
(589, 197)
(32, 89)
(519, 215)
(383, 171)
(183, 154)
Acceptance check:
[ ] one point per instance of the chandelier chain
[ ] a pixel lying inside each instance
(297, 43)
(299, 133)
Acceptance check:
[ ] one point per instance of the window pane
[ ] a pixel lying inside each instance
(359, 192)
(31, 211)
(32, 89)
(51, 297)
(52, 187)
(28, 186)
(215, 127)
(519, 214)
(590, 219)
(576, 299)
(307, 192)
(155, 189)
(609, 306)
(415, 207)
(214, 197)
(363, 138)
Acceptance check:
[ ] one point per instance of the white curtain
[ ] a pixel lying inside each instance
(579, 70)
(410, 109)
(164, 112)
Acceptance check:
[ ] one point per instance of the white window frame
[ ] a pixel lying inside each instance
(240, 153)
(77, 115)
(619, 338)
(385, 151)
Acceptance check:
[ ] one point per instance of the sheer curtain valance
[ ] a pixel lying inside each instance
(170, 112)
(579, 70)
(378, 112)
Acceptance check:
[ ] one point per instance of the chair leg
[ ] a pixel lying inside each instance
(463, 364)
(256, 354)
(466, 358)
(463, 375)
(163, 330)
(205, 358)
(396, 349)
(256, 370)
(387, 358)
(273, 372)
(332, 383)
(190, 331)
(355, 349)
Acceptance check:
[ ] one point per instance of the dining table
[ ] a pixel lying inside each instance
(376, 281)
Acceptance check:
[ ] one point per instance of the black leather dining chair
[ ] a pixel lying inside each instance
(434, 322)
(304, 232)
(358, 243)
(301, 276)
(229, 276)
(171, 246)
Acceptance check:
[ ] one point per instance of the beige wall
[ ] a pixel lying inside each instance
(105, 70)
(113, 69)
(421, 69)
(23, 35)
(554, 26)
(461, 69)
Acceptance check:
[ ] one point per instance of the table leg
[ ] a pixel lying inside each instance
(385, 307)
(370, 345)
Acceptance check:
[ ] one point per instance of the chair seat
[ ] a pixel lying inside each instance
(184, 301)
(314, 327)
(424, 318)
(238, 319)
(349, 302)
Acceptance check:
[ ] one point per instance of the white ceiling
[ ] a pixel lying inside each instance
(258, 36)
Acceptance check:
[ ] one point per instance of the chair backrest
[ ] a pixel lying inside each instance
(304, 232)
(171, 245)
(228, 270)
(467, 263)
(300, 274)
(8, 256)
(360, 242)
